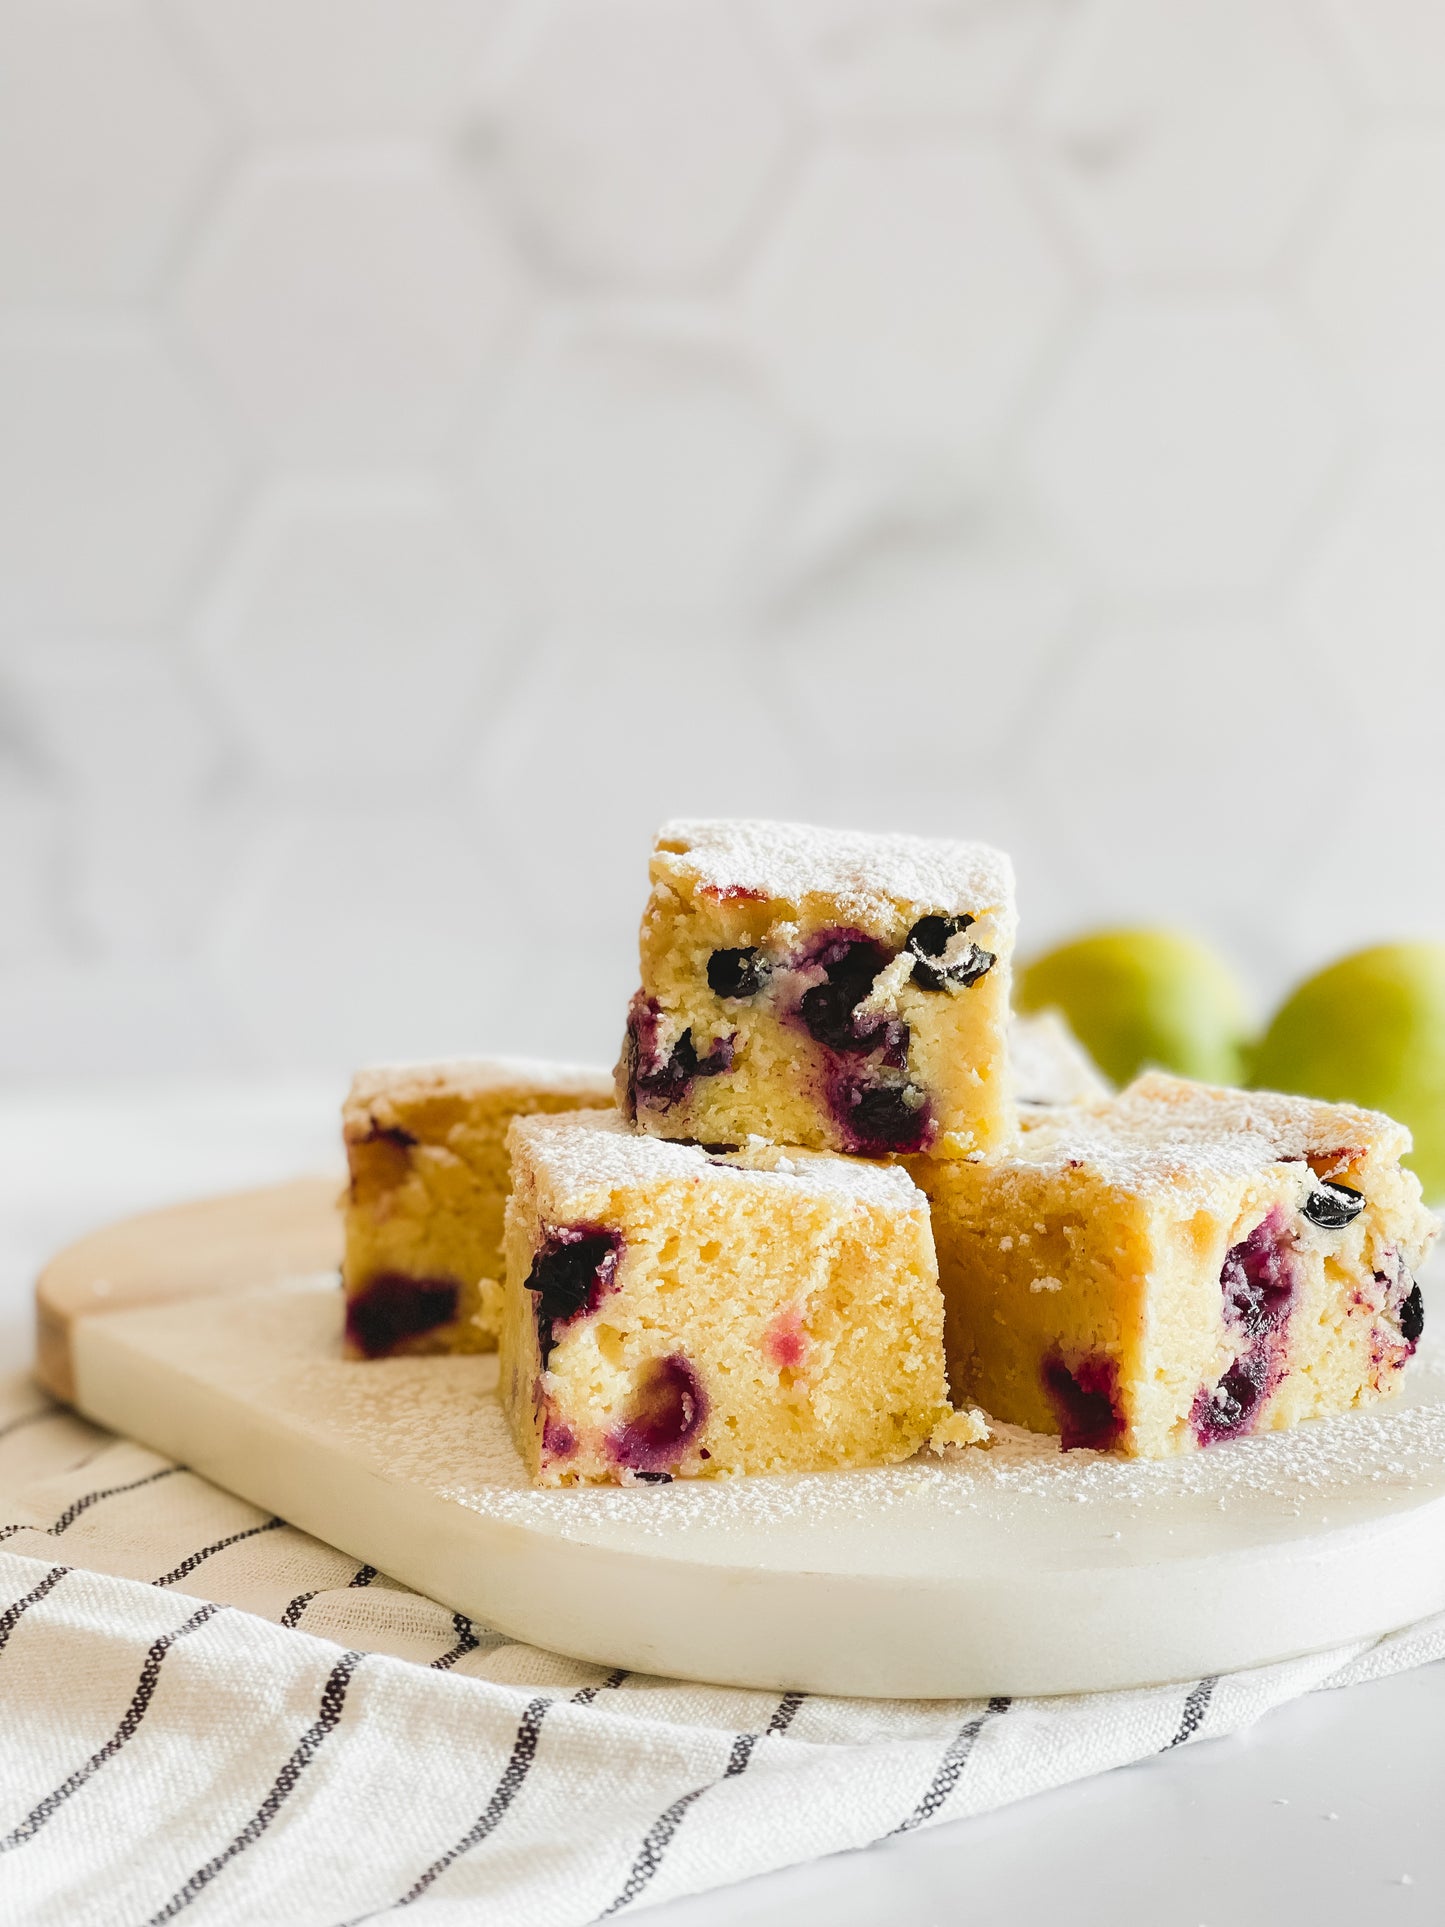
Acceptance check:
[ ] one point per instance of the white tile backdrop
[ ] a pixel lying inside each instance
(438, 438)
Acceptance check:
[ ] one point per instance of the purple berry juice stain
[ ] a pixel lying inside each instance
(393, 1306)
(391, 1134)
(1085, 1398)
(850, 961)
(878, 1116)
(658, 1079)
(1258, 1280)
(665, 1411)
(1404, 1303)
(570, 1276)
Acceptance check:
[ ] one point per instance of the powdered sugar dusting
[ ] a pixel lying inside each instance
(584, 1151)
(1293, 1126)
(1049, 1064)
(1169, 1132)
(473, 1077)
(871, 875)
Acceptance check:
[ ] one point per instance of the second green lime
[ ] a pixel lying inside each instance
(1370, 1030)
(1141, 998)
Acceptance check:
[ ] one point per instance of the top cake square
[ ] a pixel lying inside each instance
(823, 988)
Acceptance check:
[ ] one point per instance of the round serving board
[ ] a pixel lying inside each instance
(1017, 1569)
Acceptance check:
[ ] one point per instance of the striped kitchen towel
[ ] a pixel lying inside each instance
(209, 1716)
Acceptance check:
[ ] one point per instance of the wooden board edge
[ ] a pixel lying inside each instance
(240, 1241)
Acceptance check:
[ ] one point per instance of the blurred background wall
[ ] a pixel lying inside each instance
(439, 438)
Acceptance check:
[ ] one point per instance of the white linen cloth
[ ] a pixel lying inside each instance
(206, 1715)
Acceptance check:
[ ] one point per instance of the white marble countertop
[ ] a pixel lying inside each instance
(1327, 1813)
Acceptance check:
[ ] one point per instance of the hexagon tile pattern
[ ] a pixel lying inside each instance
(349, 308)
(302, 634)
(350, 69)
(910, 64)
(906, 295)
(1376, 287)
(106, 142)
(438, 438)
(634, 472)
(640, 140)
(1184, 447)
(1183, 141)
(115, 463)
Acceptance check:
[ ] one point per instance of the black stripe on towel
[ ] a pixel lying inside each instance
(585, 1695)
(333, 1701)
(950, 1767)
(524, 1752)
(12, 1615)
(145, 1690)
(786, 1712)
(1195, 1707)
(73, 1511)
(659, 1837)
(188, 1566)
(467, 1642)
(363, 1576)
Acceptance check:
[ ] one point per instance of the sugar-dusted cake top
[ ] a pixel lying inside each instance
(797, 860)
(582, 1152)
(1168, 1131)
(471, 1077)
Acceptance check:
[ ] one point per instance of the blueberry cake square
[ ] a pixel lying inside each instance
(426, 1146)
(1180, 1265)
(823, 988)
(671, 1312)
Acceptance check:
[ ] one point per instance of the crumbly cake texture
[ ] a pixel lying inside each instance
(426, 1145)
(1179, 1265)
(1050, 1065)
(823, 988)
(671, 1312)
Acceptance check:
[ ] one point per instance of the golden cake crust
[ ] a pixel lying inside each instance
(870, 1008)
(426, 1147)
(671, 1312)
(1181, 1264)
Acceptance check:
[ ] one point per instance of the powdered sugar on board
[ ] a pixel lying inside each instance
(868, 875)
(434, 1426)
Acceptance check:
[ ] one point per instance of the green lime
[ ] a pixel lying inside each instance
(1136, 998)
(1369, 1030)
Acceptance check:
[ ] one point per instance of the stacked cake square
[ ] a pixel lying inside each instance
(843, 1200)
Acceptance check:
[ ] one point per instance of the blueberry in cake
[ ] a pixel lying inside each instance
(426, 1145)
(823, 988)
(674, 1312)
(1179, 1265)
